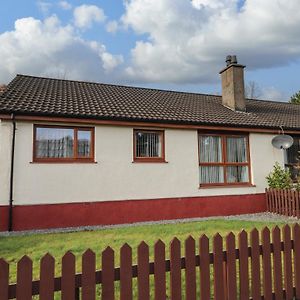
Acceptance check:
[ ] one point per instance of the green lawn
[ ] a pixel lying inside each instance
(36, 245)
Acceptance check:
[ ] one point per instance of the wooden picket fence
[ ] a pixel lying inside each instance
(284, 202)
(269, 269)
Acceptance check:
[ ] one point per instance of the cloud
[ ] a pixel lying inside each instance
(112, 26)
(187, 41)
(65, 5)
(86, 15)
(272, 93)
(44, 6)
(46, 48)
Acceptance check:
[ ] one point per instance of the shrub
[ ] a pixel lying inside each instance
(279, 178)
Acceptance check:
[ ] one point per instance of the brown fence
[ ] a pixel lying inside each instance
(269, 269)
(283, 202)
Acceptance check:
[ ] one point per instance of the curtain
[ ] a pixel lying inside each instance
(148, 144)
(237, 174)
(210, 148)
(84, 143)
(54, 142)
(236, 149)
(211, 174)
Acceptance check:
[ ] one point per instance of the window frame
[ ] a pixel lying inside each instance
(224, 163)
(75, 158)
(149, 159)
(289, 165)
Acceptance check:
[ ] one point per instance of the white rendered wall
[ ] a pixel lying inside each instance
(115, 176)
(5, 160)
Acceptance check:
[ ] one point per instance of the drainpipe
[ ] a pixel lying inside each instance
(11, 186)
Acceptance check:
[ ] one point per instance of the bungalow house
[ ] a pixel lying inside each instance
(79, 153)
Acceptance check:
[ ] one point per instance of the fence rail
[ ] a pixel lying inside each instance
(269, 269)
(283, 202)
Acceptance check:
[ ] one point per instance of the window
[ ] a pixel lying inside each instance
(223, 159)
(292, 156)
(148, 146)
(63, 144)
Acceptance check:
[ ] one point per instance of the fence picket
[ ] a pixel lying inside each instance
(175, 269)
(293, 203)
(68, 277)
(231, 267)
(272, 202)
(24, 278)
(297, 204)
(219, 287)
(126, 272)
(190, 269)
(277, 197)
(243, 264)
(204, 268)
(143, 272)
(296, 237)
(287, 259)
(267, 193)
(277, 263)
(47, 277)
(108, 274)
(255, 265)
(88, 275)
(266, 263)
(281, 192)
(4, 279)
(159, 270)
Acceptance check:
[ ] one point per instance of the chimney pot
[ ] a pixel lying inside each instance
(233, 59)
(233, 91)
(228, 60)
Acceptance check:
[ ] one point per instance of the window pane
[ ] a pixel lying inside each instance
(54, 142)
(211, 174)
(84, 143)
(210, 148)
(237, 174)
(292, 153)
(148, 144)
(236, 149)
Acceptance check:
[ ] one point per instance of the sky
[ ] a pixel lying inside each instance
(166, 44)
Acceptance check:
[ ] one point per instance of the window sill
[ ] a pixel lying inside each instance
(226, 186)
(150, 161)
(63, 162)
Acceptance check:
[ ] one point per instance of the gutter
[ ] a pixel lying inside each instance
(11, 184)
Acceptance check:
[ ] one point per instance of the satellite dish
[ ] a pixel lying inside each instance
(282, 141)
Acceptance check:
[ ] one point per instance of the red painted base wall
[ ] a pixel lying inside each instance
(26, 217)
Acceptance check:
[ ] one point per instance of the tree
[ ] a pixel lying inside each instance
(279, 178)
(295, 99)
(252, 90)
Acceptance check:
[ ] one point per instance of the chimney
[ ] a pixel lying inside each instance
(233, 90)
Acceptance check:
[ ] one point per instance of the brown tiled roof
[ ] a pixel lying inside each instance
(64, 98)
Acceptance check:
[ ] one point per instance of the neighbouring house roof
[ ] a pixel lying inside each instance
(28, 95)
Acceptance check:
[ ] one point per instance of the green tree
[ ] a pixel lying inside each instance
(279, 178)
(295, 99)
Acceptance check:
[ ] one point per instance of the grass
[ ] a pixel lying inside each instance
(12, 248)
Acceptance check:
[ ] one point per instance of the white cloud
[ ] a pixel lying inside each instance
(188, 40)
(112, 26)
(47, 48)
(272, 93)
(44, 6)
(85, 15)
(65, 5)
